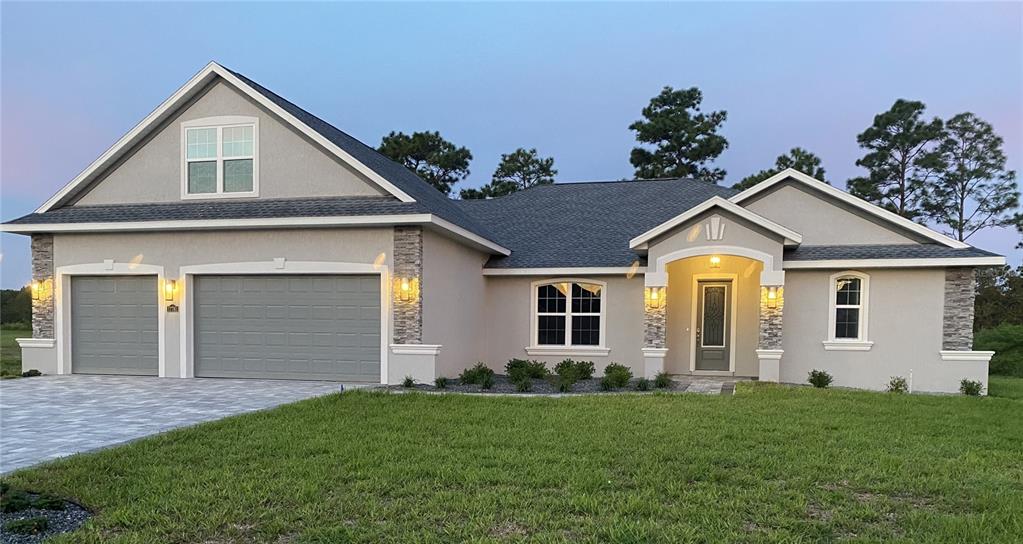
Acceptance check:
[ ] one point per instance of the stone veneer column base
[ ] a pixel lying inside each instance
(653, 361)
(418, 361)
(770, 364)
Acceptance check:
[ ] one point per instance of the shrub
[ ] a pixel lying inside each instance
(14, 500)
(31, 373)
(408, 382)
(30, 526)
(642, 384)
(524, 385)
(517, 369)
(487, 381)
(475, 374)
(897, 384)
(617, 375)
(566, 372)
(972, 388)
(1006, 340)
(819, 378)
(563, 383)
(441, 382)
(662, 380)
(582, 370)
(48, 502)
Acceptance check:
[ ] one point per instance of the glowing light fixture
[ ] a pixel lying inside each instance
(715, 262)
(406, 288)
(655, 297)
(772, 297)
(37, 288)
(169, 287)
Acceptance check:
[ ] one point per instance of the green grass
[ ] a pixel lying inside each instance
(1008, 387)
(10, 352)
(770, 464)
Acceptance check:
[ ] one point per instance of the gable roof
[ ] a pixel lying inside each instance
(871, 209)
(791, 237)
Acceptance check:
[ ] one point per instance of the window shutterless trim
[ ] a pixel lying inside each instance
(220, 123)
(535, 348)
(861, 342)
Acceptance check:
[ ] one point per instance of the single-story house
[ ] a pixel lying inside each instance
(233, 234)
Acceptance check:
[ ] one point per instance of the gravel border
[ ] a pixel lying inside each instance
(59, 521)
(504, 386)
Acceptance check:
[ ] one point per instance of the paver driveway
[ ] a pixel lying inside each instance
(53, 416)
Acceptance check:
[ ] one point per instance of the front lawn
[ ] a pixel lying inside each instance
(770, 464)
(10, 351)
(1008, 387)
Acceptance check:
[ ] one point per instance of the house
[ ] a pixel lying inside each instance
(233, 234)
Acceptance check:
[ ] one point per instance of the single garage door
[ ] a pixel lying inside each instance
(288, 327)
(114, 325)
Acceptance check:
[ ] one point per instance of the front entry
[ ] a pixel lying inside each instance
(713, 304)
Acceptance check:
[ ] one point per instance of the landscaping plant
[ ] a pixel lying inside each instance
(475, 374)
(29, 526)
(517, 369)
(819, 378)
(662, 380)
(487, 381)
(524, 385)
(642, 384)
(582, 370)
(972, 388)
(616, 375)
(408, 382)
(897, 384)
(441, 382)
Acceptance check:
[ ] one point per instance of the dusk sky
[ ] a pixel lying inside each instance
(567, 79)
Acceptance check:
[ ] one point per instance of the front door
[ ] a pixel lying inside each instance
(712, 324)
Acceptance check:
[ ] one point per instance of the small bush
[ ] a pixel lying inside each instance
(563, 384)
(48, 502)
(642, 384)
(15, 500)
(517, 369)
(897, 384)
(31, 373)
(441, 382)
(524, 385)
(819, 378)
(606, 384)
(582, 370)
(617, 375)
(475, 374)
(972, 388)
(408, 382)
(30, 526)
(487, 381)
(662, 380)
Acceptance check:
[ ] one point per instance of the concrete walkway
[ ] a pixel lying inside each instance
(48, 417)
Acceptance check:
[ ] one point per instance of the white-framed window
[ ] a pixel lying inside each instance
(220, 157)
(848, 307)
(568, 313)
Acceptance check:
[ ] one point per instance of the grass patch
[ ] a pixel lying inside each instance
(10, 351)
(1006, 387)
(769, 464)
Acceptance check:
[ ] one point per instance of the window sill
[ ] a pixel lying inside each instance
(847, 345)
(567, 350)
(212, 196)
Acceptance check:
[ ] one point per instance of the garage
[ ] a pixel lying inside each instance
(114, 325)
(296, 327)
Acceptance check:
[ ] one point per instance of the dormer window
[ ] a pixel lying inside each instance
(219, 157)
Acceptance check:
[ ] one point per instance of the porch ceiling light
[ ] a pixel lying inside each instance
(169, 288)
(715, 262)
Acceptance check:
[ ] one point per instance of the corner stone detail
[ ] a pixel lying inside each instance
(408, 263)
(654, 320)
(42, 271)
(958, 316)
(770, 323)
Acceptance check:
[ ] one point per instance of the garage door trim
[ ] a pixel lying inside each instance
(62, 305)
(284, 267)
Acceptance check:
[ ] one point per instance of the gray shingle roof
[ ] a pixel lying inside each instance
(889, 251)
(225, 209)
(584, 224)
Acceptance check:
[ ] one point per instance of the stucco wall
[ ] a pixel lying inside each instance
(509, 313)
(175, 249)
(905, 324)
(454, 296)
(738, 232)
(822, 222)
(290, 166)
(746, 289)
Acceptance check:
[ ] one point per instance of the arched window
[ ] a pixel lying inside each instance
(849, 296)
(568, 313)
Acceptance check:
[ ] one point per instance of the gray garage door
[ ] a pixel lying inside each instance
(288, 327)
(114, 325)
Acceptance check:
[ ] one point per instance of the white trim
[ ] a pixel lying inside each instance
(187, 282)
(415, 349)
(861, 342)
(62, 312)
(897, 263)
(768, 277)
(36, 342)
(182, 95)
(716, 276)
(791, 173)
(568, 348)
(770, 354)
(655, 353)
(791, 237)
(469, 236)
(219, 124)
(967, 356)
(595, 270)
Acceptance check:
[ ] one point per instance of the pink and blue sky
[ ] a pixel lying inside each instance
(567, 79)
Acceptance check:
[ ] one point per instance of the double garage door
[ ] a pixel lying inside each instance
(275, 326)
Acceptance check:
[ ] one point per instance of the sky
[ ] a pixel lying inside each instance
(567, 79)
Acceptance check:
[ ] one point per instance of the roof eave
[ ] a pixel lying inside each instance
(789, 236)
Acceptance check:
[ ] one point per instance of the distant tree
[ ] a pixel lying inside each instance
(16, 305)
(436, 160)
(798, 158)
(972, 189)
(520, 169)
(900, 158)
(999, 297)
(685, 139)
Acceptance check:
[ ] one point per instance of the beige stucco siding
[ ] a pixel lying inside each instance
(820, 221)
(290, 165)
(454, 292)
(509, 314)
(737, 233)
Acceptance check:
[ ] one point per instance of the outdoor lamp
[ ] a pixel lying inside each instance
(37, 287)
(169, 286)
(715, 262)
(772, 297)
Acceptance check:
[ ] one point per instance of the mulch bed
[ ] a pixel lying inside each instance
(57, 521)
(504, 386)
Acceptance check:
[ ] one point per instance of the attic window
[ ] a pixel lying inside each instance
(219, 157)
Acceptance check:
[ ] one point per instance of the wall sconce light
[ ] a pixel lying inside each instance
(772, 297)
(406, 288)
(715, 262)
(656, 297)
(169, 287)
(37, 288)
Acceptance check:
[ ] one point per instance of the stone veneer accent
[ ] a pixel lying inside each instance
(42, 271)
(960, 290)
(408, 263)
(770, 321)
(654, 321)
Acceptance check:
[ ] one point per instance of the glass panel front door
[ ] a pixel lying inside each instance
(713, 325)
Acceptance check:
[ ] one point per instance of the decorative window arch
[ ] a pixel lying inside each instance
(848, 311)
(568, 313)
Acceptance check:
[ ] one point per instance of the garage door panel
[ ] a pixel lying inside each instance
(114, 325)
(288, 327)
